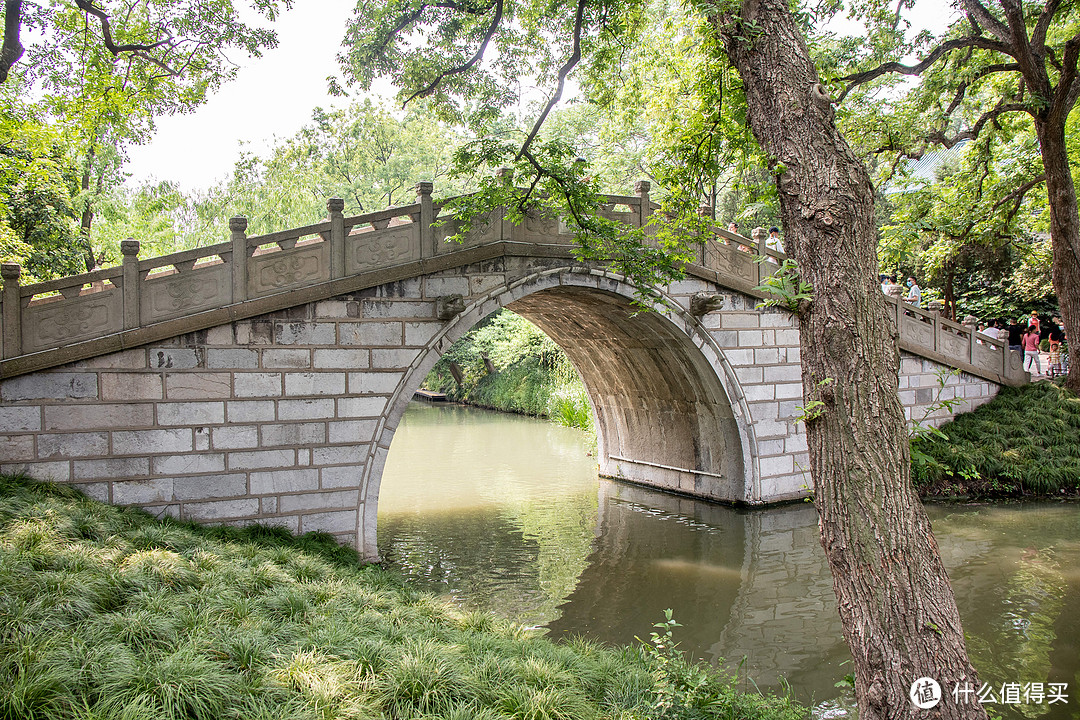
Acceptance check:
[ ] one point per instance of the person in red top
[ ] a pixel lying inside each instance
(1030, 341)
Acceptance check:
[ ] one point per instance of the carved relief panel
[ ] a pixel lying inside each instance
(185, 293)
(382, 248)
(301, 266)
(61, 322)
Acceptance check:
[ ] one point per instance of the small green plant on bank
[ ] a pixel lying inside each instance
(788, 289)
(107, 612)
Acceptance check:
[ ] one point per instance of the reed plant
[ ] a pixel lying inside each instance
(110, 613)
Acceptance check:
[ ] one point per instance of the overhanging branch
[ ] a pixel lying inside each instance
(492, 29)
(12, 49)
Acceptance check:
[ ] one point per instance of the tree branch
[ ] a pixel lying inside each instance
(573, 60)
(939, 137)
(1068, 87)
(1042, 25)
(12, 49)
(1017, 197)
(140, 50)
(1033, 70)
(424, 92)
(961, 91)
(936, 54)
(981, 17)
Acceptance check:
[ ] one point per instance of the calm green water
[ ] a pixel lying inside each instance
(507, 514)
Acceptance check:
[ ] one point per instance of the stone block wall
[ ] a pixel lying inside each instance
(287, 418)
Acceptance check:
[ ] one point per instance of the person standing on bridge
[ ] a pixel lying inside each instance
(914, 295)
(1030, 342)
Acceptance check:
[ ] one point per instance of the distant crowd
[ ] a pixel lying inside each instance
(1026, 335)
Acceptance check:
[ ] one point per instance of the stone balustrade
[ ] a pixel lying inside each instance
(48, 324)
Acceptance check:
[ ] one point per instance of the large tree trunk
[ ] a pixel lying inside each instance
(897, 607)
(1064, 236)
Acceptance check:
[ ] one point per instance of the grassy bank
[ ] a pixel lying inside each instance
(1023, 443)
(109, 613)
(506, 363)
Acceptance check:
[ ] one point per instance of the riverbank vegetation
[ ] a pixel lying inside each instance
(108, 612)
(506, 363)
(1023, 443)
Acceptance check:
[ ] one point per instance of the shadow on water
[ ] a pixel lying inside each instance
(507, 514)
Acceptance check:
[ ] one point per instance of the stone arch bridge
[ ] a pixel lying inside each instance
(263, 378)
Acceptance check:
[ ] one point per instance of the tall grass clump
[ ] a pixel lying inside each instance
(109, 613)
(1026, 441)
(507, 363)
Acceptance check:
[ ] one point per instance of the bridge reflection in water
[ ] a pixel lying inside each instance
(521, 526)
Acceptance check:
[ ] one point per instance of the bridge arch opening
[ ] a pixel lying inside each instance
(662, 393)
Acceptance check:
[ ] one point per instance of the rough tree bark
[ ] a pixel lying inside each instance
(1064, 236)
(897, 607)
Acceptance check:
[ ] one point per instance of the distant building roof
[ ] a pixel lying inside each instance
(925, 168)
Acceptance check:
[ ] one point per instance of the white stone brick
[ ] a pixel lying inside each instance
(17, 447)
(198, 385)
(250, 410)
(189, 464)
(94, 491)
(72, 445)
(758, 392)
(319, 500)
(304, 333)
(782, 373)
(480, 284)
(317, 383)
(766, 356)
(367, 406)
(232, 358)
(239, 508)
(258, 459)
(420, 333)
(331, 522)
(310, 409)
(404, 309)
(737, 320)
(203, 487)
(332, 309)
(50, 386)
(131, 386)
(435, 286)
(236, 437)
(352, 431)
(15, 419)
(255, 384)
(97, 416)
(795, 443)
(341, 455)
(393, 359)
(366, 383)
(174, 358)
(787, 391)
(778, 465)
(341, 476)
(149, 442)
(370, 334)
(291, 358)
(777, 319)
(55, 471)
(748, 375)
(293, 434)
(739, 356)
(787, 337)
(750, 338)
(191, 413)
(220, 335)
(137, 492)
(111, 468)
(284, 481)
(341, 358)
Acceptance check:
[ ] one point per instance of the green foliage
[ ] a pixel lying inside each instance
(533, 376)
(788, 289)
(108, 613)
(1025, 441)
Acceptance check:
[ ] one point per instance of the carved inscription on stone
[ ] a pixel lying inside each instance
(953, 346)
(66, 321)
(290, 268)
(382, 249)
(916, 331)
(185, 293)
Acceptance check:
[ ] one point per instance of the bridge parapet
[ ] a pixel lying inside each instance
(48, 324)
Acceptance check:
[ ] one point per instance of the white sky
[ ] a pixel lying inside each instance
(273, 96)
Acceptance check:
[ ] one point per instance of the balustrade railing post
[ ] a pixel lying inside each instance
(427, 219)
(132, 287)
(641, 189)
(759, 234)
(505, 176)
(238, 229)
(10, 272)
(335, 208)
